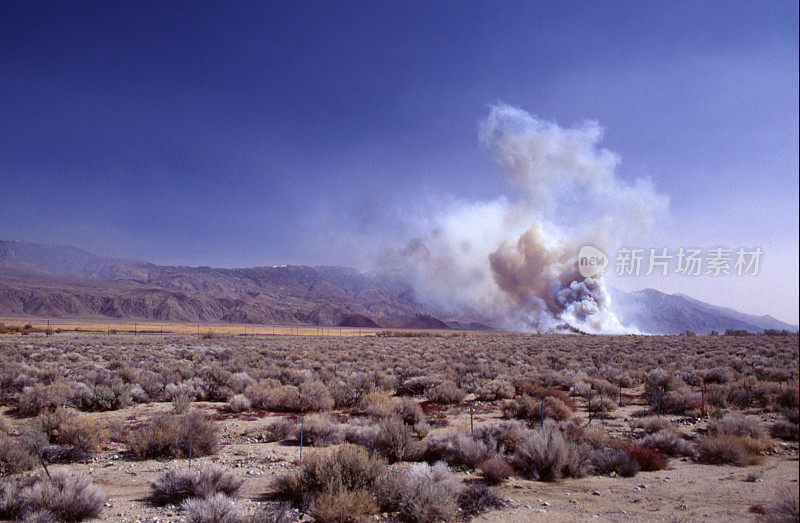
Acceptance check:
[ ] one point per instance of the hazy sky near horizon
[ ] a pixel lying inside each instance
(260, 133)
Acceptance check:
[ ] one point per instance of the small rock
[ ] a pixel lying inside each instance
(545, 504)
(596, 493)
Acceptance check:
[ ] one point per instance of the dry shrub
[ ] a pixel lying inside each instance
(388, 490)
(476, 499)
(173, 435)
(11, 505)
(785, 430)
(395, 440)
(552, 392)
(279, 430)
(735, 440)
(658, 383)
(789, 398)
(495, 390)
(717, 375)
(377, 405)
(175, 485)
(726, 449)
(446, 392)
(649, 459)
(49, 423)
(216, 508)
(547, 456)
(105, 397)
(416, 385)
(181, 403)
(67, 495)
(344, 506)
(737, 425)
(56, 454)
(314, 396)
(503, 437)
(349, 467)
(603, 404)
(409, 411)
(615, 460)
(41, 398)
(83, 432)
(424, 493)
(455, 449)
(321, 430)
(786, 510)
(681, 401)
(594, 435)
(310, 396)
(261, 393)
(274, 512)
(791, 415)
(668, 443)
(429, 494)
(531, 409)
(495, 470)
(14, 457)
(348, 392)
(652, 424)
(239, 403)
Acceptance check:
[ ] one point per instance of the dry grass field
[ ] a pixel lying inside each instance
(57, 326)
(438, 427)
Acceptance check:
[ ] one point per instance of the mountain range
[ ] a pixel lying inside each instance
(66, 282)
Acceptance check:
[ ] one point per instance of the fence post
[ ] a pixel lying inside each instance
(191, 443)
(602, 413)
(44, 465)
(620, 395)
(659, 402)
(301, 438)
(703, 400)
(471, 426)
(541, 408)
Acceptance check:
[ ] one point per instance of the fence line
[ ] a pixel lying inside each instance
(206, 329)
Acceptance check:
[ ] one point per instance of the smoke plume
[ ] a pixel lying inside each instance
(514, 259)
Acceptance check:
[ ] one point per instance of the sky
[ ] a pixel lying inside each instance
(242, 134)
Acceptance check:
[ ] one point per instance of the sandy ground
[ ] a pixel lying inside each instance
(685, 491)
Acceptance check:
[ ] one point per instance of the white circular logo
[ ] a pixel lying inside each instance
(591, 261)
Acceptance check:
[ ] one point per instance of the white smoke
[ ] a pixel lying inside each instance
(514, 259)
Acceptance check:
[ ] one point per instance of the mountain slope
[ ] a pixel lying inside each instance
(65, 282)
(43, 280)
(655, 312)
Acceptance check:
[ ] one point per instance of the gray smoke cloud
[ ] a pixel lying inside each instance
(514, 259)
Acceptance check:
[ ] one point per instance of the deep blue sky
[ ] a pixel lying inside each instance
(240, 134)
